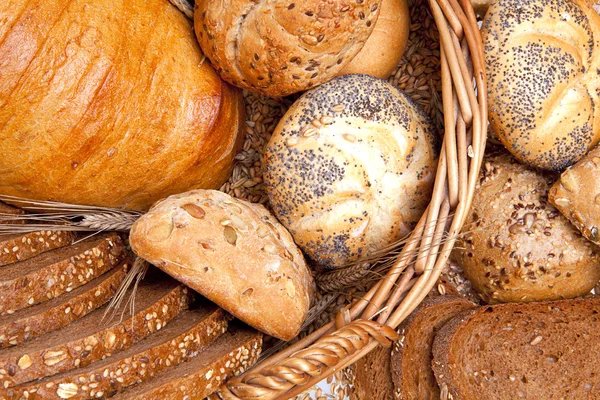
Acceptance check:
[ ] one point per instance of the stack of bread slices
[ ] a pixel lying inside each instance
(59, 339)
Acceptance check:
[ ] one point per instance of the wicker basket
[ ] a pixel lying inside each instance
(372, 320)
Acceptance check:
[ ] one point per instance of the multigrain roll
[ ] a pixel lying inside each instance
(577, 195)
(543, 63)
(518, 247)
(350, 168)
(233, 252)
(385, 47)
(282, 47)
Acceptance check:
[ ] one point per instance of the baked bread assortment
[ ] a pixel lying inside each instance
(385, 46)
(110, 104)
(280, 47)
(513, 351)
(516, 246)
(577, 195)
(233, 252)
(337, 161)
(542, 62)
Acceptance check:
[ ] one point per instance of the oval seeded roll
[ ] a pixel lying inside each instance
(350, 168)
(108, 103)
(282, 47)
(518, 247)
(232, 252)
(385, 47)
(543, 59)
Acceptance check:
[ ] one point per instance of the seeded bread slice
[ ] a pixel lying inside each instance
(176, 343)
(51, 315)
(157, 301)
(546, 350)
(51, 274)
(23, 246)
(412, 355)
(230, 355)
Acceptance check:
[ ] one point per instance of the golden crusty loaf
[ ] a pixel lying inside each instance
(518, 247)
(232, 252)
(109, 103)
(385, 47)
(350, 168)
(546, 350)
(279, 47)
(542, 59)
(577, 195)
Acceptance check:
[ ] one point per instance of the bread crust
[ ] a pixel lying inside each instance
(233, 252)
(542, 60)
(577, 195)
(278, 47)
(49, 275)
(527, 350)
(337, 161)
(36, 321)
(22, 247)
(178, 342)
(516, 246)
(109, 103)
(385, 47)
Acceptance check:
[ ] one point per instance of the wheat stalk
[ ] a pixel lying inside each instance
(51, 215)
(134, 276)
(336, 280)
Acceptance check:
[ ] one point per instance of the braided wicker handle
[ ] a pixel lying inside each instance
(422, 259)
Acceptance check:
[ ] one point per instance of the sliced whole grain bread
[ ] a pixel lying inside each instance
(53, 314)
(53, 273)
(372, 373)
(23, 246)
(412, 355)
(188, 333)
(230, 355)
(158, 300)
(546, 350)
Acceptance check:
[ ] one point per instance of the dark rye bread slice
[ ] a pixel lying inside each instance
(372, 373)
(412, 355)
(51, 274)
(23, 246)
(547, 350)
(158, 300)
(51, 315)
(230, 355)
(184, 336)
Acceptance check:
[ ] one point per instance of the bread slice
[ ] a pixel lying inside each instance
(230, 355)
(176, 343)
(412, 355)
(521, 351)
(23, 246)
(51, 315)
(158, 300)
(51, 274)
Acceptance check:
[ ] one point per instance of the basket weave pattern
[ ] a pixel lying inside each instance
(372, 320)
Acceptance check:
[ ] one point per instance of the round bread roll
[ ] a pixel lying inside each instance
(281, 47)
(385, 47)
(516, 246)
(350, 168)
(542, 62)
(108, 103)
(234, 253)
